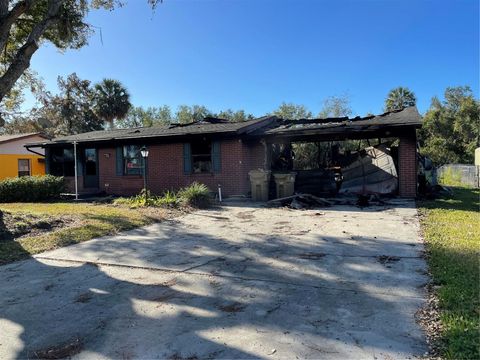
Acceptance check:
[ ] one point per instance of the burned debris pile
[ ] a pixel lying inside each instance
(309, 201)
(300, 201)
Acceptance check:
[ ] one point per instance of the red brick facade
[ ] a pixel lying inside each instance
(165, 169)
(70, 184)
(407, 166)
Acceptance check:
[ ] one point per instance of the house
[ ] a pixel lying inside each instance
(214, 151)
(16, 160)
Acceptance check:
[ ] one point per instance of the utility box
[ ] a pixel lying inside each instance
(285, 184)
(259, 180)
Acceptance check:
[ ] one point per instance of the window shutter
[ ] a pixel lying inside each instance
(187, 158)
(216, 158)
(48, 160)
(119, 161)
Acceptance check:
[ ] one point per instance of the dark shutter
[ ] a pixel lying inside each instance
(48, 160)
(119, 161)
(187, 158)
(216, 158)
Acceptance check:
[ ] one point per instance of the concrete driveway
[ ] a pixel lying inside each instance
(233, 282)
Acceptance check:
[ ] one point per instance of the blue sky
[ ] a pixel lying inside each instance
(255, 54)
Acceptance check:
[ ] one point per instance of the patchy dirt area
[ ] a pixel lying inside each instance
(15, 226)
(239, 281)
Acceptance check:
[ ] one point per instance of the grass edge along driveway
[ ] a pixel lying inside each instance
(93, 220)
(451, 229)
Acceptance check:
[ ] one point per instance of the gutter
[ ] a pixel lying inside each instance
(34, 152)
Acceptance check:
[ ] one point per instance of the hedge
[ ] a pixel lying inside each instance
(31, 188)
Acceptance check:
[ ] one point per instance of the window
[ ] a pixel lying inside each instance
(23, 167)
(132, 160)
(62, 162)
(202, 157)
(68, 162)
(90, 162)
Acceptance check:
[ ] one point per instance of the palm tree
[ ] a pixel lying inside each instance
(111, 101)
(399, 98)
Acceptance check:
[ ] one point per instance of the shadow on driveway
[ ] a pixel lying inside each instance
(176, 290)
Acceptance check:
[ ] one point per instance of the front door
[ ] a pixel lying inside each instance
(90, 179)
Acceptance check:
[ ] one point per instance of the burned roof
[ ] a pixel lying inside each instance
(268, 126)
(208, 125)
(401, 118)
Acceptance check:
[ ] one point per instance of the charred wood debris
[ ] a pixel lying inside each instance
(309, 201)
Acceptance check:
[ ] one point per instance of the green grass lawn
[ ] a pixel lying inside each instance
(91, 220)
(451, 228)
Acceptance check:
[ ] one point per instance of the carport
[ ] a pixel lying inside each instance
(392, 134)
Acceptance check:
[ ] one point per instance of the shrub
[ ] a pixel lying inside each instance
(31, 188)
(196, 195)
(450, 177)
(168, 199)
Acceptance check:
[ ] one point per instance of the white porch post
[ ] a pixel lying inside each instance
(75, 167)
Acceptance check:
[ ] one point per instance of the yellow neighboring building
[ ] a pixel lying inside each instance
(16, 160)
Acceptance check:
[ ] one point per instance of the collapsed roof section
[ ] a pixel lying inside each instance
(392, 123)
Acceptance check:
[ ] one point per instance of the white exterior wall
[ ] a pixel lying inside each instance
(17, 146)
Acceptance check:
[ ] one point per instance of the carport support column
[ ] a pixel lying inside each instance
(407, 165)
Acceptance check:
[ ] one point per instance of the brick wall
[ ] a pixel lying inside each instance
(70, 184)
(255, 155)
(109, 181)
(407, 166)
(165, 169)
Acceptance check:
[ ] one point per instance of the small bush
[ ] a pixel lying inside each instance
(450, 177)
(31, 188)
(196, 195)
(168, 199)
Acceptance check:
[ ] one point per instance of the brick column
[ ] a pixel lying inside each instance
(407, 165)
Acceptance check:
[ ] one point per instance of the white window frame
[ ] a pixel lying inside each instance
(23, 171)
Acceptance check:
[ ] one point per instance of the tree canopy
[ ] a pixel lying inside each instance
(336, 106)
(292, 111)
(111, 101)
(27, 24)
(399, 98)
(450, 131)
(68, 112)
(137, 116)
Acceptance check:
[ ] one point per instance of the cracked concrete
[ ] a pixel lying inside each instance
(233, 282)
